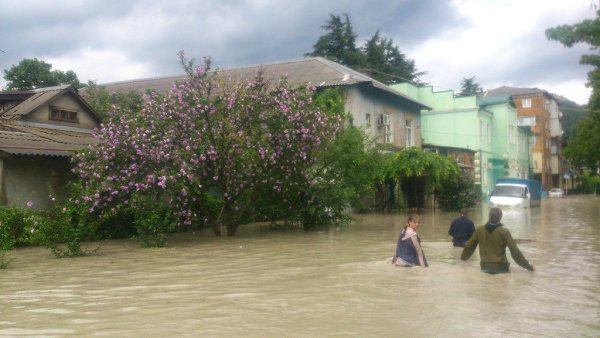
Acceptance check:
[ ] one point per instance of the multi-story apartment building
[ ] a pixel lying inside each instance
(488, 126)
(539, 110)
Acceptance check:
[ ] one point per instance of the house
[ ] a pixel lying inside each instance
(40, 129)
(486, 126)
(388, 115)
(539, 110)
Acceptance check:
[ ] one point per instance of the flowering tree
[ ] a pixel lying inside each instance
(207, 150)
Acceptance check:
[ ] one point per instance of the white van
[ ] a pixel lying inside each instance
(516, 192)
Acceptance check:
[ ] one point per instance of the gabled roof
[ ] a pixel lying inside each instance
(505, 90)
(19, 137)
(33, 99)
(317, 71)
(22, 138)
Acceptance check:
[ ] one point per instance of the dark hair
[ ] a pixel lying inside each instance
(495, 215)
(464, 211)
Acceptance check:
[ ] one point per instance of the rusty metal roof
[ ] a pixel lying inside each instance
(317, 71)
(23, 139)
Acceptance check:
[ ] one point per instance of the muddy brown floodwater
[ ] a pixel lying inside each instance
(336, 283)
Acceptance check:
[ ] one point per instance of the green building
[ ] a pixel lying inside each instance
(486, 125)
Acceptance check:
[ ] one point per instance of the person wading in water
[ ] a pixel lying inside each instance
(493, 238)
(408, 249)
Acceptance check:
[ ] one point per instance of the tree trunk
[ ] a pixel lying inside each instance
(217, 229)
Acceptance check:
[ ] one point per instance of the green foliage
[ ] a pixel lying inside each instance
(7, 242)
(572, 114)
(339, 44)
(413, 162)
(64, 227)
(379, 57)
(102, 101)
(587, 183)
(118, 224)
(153, 221)
(458, 192)
(386, 63)
(468, 87)
(583, 149)
(19, 224)
(445, 179)
(34, 73)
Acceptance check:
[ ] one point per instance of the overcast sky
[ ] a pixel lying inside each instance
(501, 42)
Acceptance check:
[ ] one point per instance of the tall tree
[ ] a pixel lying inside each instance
(379, 57)
(34, 73)
(583, 149)
(468, 87)
(339, 44)
(387, 63)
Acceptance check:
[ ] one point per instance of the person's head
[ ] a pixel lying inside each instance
(464, 212)
(413, 221)
(495, 215)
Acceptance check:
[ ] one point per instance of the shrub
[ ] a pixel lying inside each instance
(64, 226)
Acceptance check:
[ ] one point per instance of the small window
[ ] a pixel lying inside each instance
(409, 134)
(63, 115)
(368, 119)
(526, 103)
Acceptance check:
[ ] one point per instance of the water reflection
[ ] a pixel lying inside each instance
(335, 283)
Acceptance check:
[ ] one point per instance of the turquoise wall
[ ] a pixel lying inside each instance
(481, 124)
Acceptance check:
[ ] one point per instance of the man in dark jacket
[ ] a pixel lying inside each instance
(493, 239)
(461, 229)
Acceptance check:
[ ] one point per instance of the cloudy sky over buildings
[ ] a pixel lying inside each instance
(498, 42)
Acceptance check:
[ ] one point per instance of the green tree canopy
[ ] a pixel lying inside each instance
(387, 63)
(339, 44)
(34, 73)
(583, 148)
(379, 57)
(468, 87)
(102, 101)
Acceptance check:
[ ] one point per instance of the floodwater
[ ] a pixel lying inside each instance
(338, 283)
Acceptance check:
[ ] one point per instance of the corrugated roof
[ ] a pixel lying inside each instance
(318, 71)
(41, 96)
(18, 139)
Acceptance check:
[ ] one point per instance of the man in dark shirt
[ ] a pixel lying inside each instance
(461, 229)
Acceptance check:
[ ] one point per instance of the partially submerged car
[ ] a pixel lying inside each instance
(556, 192)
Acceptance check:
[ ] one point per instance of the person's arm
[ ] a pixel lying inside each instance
(417, 245)
(516, 254)
(451, 229)
(469, 248)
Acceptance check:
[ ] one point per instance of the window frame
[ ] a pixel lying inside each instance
(63, 115)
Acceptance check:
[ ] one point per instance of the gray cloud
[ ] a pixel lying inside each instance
(235, 33)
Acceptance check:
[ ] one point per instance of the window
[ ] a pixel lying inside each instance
(481, 135)
(489, 133)
(527, 121)
(368, 119)
(409, 134)
(526, 103)
(62, 115)
(533, 140)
